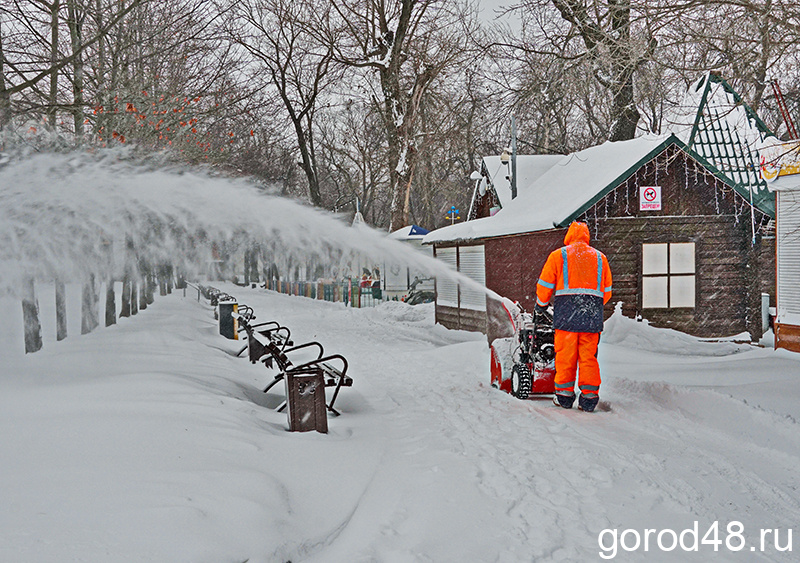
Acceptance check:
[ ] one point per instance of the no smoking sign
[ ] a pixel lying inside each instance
(650, 198)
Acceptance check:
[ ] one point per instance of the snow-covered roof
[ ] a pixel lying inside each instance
(785, 183)
(529, 168)
(409, 232)
(561, 192)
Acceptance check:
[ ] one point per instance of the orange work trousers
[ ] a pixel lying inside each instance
(576, 355)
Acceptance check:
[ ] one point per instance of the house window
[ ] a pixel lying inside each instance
(668, 275)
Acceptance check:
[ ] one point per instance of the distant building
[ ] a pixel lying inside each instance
(785, 167)
(493, 189)
(400, 279)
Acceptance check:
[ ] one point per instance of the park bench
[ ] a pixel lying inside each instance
(271, 343)
(333, 374)
(271, 330)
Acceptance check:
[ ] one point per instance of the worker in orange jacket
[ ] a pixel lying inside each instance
(578, 280)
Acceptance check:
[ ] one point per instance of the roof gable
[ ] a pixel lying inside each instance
(563, 191)
(571, 187)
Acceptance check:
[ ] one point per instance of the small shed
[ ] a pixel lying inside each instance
(399, 279)
(688, 247)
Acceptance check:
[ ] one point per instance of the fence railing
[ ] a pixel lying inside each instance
(350, 291)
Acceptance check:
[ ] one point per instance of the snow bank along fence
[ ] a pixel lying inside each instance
(351, 292)
(137, 293)
(271, 344)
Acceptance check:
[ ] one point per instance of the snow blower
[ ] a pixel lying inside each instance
(524, 364)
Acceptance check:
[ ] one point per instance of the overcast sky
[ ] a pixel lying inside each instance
(490, 8)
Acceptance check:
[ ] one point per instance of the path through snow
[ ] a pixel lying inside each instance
(149, 441)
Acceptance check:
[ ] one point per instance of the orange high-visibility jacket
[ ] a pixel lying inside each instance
(578, 280)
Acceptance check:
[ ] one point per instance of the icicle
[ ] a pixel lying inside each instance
(605, 203)
(655, 172)
(628, 195)
(686, 173)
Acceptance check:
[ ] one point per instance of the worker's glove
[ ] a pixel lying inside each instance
(540, 309)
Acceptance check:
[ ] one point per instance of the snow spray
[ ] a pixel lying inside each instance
(70, 216)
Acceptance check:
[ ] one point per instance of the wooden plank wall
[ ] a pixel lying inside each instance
(696, 207)
(461, 319)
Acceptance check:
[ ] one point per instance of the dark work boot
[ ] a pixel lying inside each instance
(587, 404)
(564, 401)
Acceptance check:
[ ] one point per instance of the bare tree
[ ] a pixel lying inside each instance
(5, 95)
(407, 44)
(75, 19)
(605, 28)
(294, 62)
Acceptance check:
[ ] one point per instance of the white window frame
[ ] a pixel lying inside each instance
(669, 275)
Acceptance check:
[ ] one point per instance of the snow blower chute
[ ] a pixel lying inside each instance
(524, 364)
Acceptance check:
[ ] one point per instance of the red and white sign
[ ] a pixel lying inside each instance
(650, 198)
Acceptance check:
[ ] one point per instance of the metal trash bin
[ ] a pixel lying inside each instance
(228, 327)
(305, 401)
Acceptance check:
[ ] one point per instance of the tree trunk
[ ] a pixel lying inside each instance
(614, 55)
(75, 23)
(104, 114)
(169, 270)
(143, 292)
(623, 65)
(111, 303)
(625, 112)
(125, 306)
(5, 95)
(134, 296)
(162, 280)
(61, 311)
(53, 97)
(150, 284)
(89, 311)
(306, 146)
(30, 316)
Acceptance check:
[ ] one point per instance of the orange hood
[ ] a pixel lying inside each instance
(578, 232)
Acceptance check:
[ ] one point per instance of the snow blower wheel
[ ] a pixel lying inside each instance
(520, 381)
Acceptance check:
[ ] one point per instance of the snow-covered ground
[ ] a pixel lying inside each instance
(149, 441)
